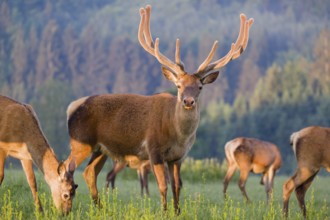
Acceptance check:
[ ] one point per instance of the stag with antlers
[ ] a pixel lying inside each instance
(160, 128)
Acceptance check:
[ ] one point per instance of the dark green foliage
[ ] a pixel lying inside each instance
(52, 52)
(285, 100)
(50, 105)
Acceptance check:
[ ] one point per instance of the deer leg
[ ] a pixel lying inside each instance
(159, 172)
(263, 179)
(143, 176)
(267, 187)
(141, 181)
(2, 165)
(79, 152)
(294, 182)
(241, 183)
(301, 191)
(29, 173)
(269, 183)
(174, 171)
(145, 179)
(288, 187)
(111, 176)
(230, 172)
(93, 168)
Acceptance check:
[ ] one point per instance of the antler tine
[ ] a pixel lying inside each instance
(248, 24)
(209, 58)
(241, 33)
(240, 43)
(147, 32)
(145, 39)
(225, 59)
(177, 54)
(236, 50)
(165, 61)
(141, 36)
(205, 65)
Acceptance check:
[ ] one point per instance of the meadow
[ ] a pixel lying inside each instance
(201, 198)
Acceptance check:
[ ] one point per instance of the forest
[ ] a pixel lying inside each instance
(53, 52)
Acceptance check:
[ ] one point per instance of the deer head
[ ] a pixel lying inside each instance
(190, 85)
(63, 188)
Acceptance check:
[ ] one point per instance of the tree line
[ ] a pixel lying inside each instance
(289, 97)
(52, 52)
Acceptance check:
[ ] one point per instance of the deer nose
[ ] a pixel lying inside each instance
(189, 102)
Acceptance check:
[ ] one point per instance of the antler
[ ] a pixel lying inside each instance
(147, 43)
(236, 50)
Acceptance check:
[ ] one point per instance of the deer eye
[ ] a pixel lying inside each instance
(179, 87)
(66, 196)
(201, 87)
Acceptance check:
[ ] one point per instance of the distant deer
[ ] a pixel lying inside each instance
(142, 168)
(311, 147)
(21, 137)
(252, 155)
(160, 128)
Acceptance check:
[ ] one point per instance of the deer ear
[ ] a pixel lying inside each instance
(210, 78)
(72, 166)
(169, 74)
(61, 170)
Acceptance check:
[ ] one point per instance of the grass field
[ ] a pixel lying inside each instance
(200, 199)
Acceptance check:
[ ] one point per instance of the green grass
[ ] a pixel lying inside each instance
(200, 199)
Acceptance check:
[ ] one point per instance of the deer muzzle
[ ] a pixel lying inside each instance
(189, 103)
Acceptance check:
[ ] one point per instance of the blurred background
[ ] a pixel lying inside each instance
(52, 52)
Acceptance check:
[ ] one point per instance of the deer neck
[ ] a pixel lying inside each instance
(44, 157)
(50, 164)
(186, 121)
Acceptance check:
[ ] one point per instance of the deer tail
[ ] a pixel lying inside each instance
(293, 141)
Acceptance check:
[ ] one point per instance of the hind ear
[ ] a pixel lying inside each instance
(61, 170)
(72, 166)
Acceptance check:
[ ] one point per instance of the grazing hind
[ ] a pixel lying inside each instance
(252, 155)
(21, 137)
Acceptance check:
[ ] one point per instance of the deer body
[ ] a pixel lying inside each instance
(160, 128)
(252, 155)
(311, 147)
(104, 117)
(21, 137)
(109, 125)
